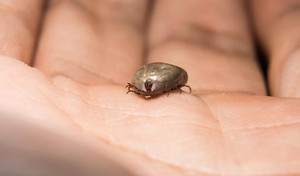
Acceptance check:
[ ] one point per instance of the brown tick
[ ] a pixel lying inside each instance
(157, 78)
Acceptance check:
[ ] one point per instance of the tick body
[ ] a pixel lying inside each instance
(157, 78)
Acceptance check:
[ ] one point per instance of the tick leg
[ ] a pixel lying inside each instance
(129, 85)
(132, 88)
(188, 87)
(129, 90)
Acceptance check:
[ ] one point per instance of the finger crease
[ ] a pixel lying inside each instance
(60, 72)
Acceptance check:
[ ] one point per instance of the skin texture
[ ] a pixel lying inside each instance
(64, 64)
(157, 78)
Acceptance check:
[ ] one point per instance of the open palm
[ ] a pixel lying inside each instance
(69, 113)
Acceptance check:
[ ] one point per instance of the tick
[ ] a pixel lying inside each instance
(157, 78)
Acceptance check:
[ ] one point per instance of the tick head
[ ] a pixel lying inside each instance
(148, 85)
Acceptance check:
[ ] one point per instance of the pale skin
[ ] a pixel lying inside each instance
(69, 98)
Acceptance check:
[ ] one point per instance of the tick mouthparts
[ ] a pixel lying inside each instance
(148, 85)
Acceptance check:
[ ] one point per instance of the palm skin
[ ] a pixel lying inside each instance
(69, 114)
(179, 134)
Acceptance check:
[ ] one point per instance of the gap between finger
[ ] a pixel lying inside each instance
(278, 28)
(19, 25)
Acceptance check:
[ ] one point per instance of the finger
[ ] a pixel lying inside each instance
(92, 41)
(278, 27)
(211, 40)
(19, 27)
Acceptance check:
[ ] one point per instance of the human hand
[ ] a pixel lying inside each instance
(73, 109)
